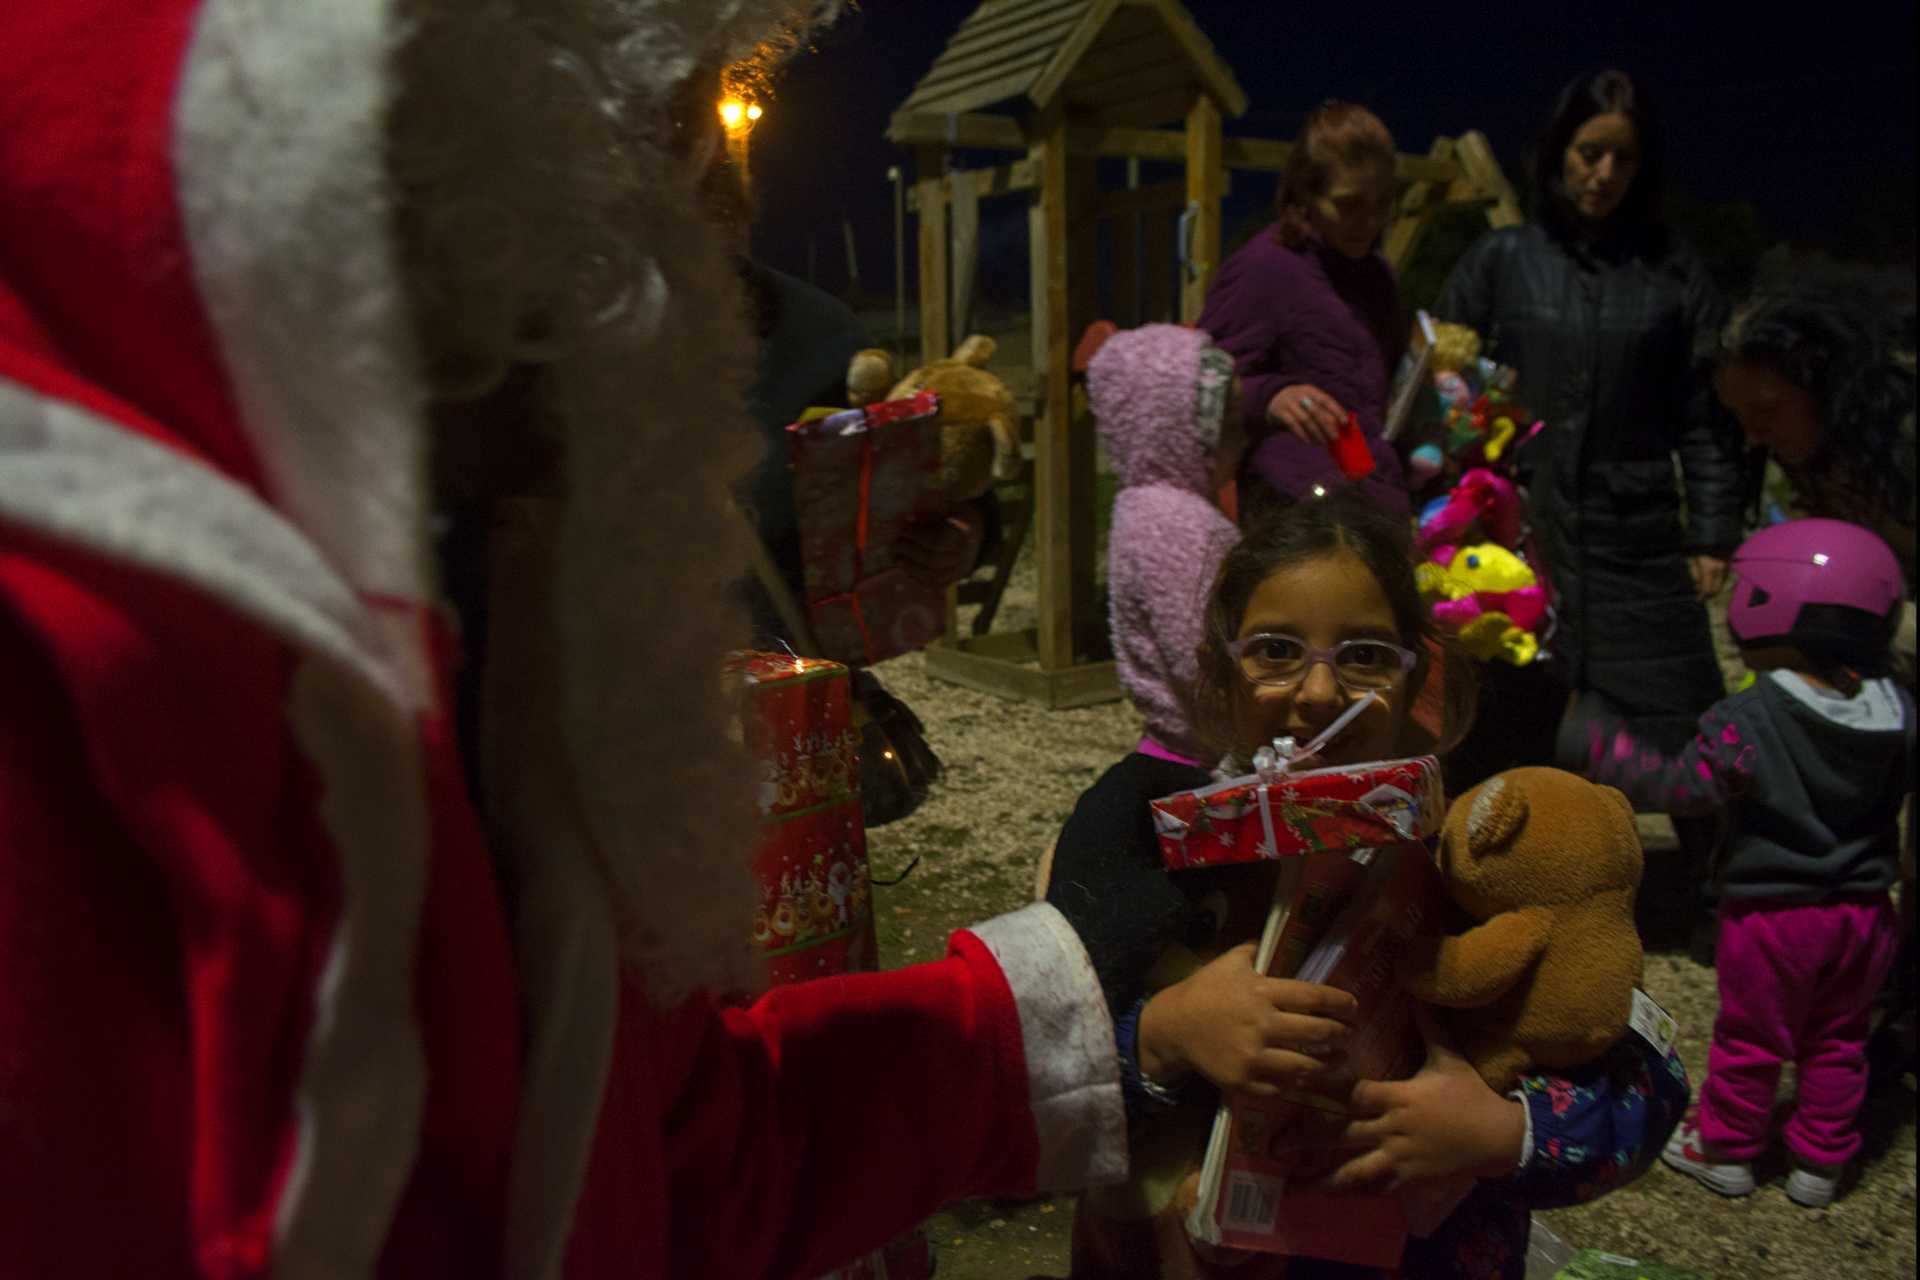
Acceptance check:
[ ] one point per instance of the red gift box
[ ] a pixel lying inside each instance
(815, 913)
(1246, 819)
(860, 478)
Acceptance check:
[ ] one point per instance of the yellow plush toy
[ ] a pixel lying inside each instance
(1488, 597)
(1546, 864)
(1455, 346)
(980, 443)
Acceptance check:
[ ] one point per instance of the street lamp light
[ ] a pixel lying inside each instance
(739, 116)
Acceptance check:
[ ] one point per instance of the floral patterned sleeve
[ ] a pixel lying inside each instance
(1597, 1127)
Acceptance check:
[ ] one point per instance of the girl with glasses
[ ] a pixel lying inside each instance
(1313, 610)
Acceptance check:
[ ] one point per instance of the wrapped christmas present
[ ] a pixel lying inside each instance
(1250, 818)
(815, 914)
(860, 478)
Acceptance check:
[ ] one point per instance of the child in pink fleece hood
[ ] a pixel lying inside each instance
(1160, 394)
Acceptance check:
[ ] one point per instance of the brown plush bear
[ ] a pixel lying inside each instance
(979, 441)
(1546, 864)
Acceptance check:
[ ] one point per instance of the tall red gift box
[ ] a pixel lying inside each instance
(860, 478)
(815, 914)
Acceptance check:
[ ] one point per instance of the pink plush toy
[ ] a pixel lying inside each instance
(1481, 498)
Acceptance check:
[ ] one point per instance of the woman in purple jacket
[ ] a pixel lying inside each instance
(1311, 315)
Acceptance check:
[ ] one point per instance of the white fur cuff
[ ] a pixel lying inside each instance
(1073, 1073)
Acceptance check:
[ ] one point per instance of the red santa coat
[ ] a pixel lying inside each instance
(261, 1012)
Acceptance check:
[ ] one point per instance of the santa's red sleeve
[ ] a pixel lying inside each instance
(799, 1132)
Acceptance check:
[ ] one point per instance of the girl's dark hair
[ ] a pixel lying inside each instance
(1335, 135)
(1599, 93)
(1287, 536)
(1854, 356)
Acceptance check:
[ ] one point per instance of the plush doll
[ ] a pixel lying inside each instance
(1455, 346)
(1481, 499)
(869, 374)
(1546, 865)
(1488, 596)
(980, 443)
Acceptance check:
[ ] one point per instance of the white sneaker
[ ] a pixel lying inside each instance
(1813, 1187)
(1687, 1152)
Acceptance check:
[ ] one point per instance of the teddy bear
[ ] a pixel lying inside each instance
(979, 442)
(1545, 865)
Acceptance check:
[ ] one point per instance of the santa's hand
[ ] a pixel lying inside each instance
(1444, 1121)
(1243, 1030)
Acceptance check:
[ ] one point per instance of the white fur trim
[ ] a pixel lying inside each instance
(279, 151)
(364, 1077)
(73, 476)
(1073, 1072)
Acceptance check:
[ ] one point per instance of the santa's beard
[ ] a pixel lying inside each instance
(544, 222)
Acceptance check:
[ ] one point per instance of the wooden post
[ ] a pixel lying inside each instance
(1089, 630)
(1203, 191)
(964, 216)
(1052, 458)
(930, 164)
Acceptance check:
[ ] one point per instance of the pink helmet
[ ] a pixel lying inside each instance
(1825, 585)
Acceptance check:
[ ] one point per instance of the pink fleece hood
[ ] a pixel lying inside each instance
(1160, 394)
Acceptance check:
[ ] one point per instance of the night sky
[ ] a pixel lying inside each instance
(1809, 120)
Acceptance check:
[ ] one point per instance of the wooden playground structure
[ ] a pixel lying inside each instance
(1058, 85)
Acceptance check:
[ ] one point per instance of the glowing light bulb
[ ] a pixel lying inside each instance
(753, 111)
(732, 112)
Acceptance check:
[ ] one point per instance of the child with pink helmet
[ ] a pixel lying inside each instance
(1811, 763)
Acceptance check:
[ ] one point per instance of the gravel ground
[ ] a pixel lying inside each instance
(1013, 773)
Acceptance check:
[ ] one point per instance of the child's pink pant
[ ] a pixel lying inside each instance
(1796, 984)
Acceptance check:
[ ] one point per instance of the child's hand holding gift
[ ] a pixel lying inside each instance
(1242, 1030)
(1442, 1122)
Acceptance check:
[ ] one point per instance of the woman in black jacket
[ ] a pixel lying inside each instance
(1608, 321)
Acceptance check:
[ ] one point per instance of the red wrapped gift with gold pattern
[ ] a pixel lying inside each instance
(1248, 819)
(860, 478)
(815, 914)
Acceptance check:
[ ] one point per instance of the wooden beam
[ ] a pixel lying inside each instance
(978, 131)
(929, 169)
(1477, 161)
(1052, 459)
(1203, 198)
(1000, 180)
(971, 130)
